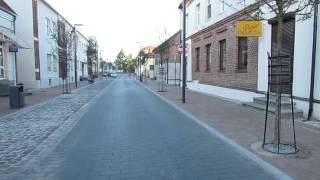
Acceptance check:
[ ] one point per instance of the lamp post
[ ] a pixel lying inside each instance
(75, 53)
(184, 67)
(139, 60)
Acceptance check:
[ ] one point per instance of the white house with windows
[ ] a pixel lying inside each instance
(10, 44)
(48, 45)
(237, 67)
(39, 66)
(82, 44)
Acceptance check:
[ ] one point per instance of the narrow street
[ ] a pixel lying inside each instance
(129, 133)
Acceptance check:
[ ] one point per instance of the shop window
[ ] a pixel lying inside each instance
(242, 53)
(223, 55)
(197, 59)
(208, 57)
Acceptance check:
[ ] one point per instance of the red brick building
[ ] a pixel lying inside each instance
(220, 58)
(167, 56)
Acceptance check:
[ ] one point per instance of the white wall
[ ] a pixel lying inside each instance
(264, 47)
(24, 29)
(216, 13)
(231, 94)
(48, 45)
(82, 44)
(316, 108)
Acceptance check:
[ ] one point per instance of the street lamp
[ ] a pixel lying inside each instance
(139, 60)
(184, 73)
(75, 53)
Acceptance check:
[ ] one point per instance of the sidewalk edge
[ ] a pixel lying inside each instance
(274, 171)
(49, 144)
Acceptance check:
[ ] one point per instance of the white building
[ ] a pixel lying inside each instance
(214, 21)
(37, 23)
(10, 45)
(82, 43)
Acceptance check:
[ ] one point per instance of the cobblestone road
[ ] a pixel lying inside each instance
(129, 133)
(22, 132)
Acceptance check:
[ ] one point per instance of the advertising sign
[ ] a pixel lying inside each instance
(249, 28)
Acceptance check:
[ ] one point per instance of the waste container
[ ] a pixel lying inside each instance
(16, 97)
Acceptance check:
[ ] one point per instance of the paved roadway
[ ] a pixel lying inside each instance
(129, 133)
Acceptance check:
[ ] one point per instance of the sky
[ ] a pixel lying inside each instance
(121, 24)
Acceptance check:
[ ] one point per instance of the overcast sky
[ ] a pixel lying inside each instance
(122, 23)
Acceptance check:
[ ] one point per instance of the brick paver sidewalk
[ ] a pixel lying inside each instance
(23, 131)
(38, 96)
(245, 127)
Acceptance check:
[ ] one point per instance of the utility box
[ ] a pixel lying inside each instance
(16, 97)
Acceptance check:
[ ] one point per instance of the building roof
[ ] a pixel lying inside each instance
(4, 6)
(149, 49)
(62, 17)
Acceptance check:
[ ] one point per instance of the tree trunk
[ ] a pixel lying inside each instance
(280, 17)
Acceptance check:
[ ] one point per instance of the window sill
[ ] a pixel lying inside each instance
(222, 71)
(241, 71)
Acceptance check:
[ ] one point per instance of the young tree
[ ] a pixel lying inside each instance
(121, 61)
(131, 64)
(91, 56)
(62, 47)
(303, 9)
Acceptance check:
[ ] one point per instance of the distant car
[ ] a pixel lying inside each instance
(114, 75)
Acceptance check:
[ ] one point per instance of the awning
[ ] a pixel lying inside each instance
(8, 36)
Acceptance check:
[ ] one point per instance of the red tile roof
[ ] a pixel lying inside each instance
(6, 7)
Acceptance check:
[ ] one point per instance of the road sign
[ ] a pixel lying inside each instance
(13, 49)
(180, 48)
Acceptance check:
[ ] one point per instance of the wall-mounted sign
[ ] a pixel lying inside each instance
(13, 49)
(249, 28)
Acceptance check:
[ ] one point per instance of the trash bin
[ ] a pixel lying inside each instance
(16, 97)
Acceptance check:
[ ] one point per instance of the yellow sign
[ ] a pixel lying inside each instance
(249, 28)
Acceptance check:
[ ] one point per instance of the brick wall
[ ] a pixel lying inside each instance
(169, 50)
(231, 77)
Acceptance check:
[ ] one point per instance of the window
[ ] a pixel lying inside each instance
(187, 23)
(242, 53)
(208, 57)
(49, 62)
(48, 26)
(197, 59)
(209, 10)
(1, 63)
(198, 16)
(222, 5)
(55, 63)
(223, 55)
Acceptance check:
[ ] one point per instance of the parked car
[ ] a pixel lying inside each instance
(114, 75)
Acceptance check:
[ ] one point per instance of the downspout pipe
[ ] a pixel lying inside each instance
(313, 66)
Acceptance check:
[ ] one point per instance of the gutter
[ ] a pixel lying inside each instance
(313, 66)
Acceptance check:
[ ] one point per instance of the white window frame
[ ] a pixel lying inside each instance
(209, 5)
(198, 14)
(49, 62)
(55, 63)
(222, 6)
(187, 23)
(48, 26)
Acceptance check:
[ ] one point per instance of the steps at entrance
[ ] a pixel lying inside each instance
(260, 103)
